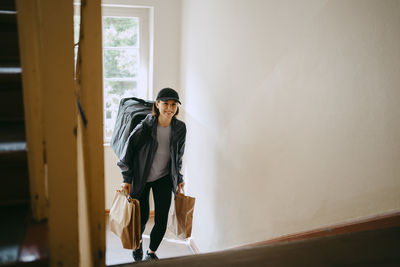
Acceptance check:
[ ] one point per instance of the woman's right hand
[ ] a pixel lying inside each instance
(126, 187)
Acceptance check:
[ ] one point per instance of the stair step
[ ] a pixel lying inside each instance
(14, 178)
(12, 232)
(8, 20)
(14, 175)
(10, 75)
(7, 5)
(34, 249)
(23, 242)
(11, 104)
(12, 131)
(11, 99)
(9, 51)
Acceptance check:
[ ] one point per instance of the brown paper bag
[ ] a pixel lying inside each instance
(125, 219)
(184, 208)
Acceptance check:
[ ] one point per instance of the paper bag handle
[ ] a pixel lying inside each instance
(181, 190)
(126, 194)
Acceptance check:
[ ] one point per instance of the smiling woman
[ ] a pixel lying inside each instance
(152, 160)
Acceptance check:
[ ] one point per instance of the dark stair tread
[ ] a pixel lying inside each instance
(12, 131)
(12, 232)
(14, 202)
(23, 242)
(12, 152)
(8, 21)
(11, 104)
(14, 188)
(8, 5)
(35, 244)
(15, 155)
(10, 75)
(9, 52)
(14, 182)
(14, 173)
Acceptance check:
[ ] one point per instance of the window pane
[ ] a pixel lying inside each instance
(114, 91)
(120, 63)
(120, 31)
(120, 88)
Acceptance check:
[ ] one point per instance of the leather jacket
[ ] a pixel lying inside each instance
(140, 148)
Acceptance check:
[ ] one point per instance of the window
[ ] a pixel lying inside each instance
(126, 57)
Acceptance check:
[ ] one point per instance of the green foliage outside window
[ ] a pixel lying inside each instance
(119, 88)
(121, 63)
(120, 32)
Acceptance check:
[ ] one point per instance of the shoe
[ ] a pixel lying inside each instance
(138, 254)
(150, 257)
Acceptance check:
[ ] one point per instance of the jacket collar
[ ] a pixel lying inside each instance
(154, 123)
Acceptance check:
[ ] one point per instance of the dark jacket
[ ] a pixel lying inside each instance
(140, 148)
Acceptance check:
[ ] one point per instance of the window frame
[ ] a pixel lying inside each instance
(143, 14)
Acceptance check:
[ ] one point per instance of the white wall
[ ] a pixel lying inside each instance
(112, 175)
(166, 72)
(293, 115)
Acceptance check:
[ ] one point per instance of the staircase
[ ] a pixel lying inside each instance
(22, 241)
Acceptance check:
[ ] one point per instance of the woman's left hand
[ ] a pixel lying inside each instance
(180, 186)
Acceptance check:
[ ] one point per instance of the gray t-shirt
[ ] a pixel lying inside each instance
(160, 166)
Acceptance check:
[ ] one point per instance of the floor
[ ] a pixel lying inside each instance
(170, 247)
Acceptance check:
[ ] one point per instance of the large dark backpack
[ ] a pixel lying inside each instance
(131, 112)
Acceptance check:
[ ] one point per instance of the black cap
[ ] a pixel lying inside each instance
(168, 94)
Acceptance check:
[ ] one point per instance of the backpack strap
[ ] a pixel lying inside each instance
(141, 101)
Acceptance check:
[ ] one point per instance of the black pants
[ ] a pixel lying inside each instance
(162, 189)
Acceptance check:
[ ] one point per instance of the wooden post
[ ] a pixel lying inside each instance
(29, 34)
(91, 97)
(60, 126)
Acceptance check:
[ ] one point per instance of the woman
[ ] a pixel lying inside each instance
(153, 160)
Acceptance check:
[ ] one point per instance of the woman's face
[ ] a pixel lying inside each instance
(167, 108)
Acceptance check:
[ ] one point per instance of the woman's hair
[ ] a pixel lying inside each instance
(156, 112)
